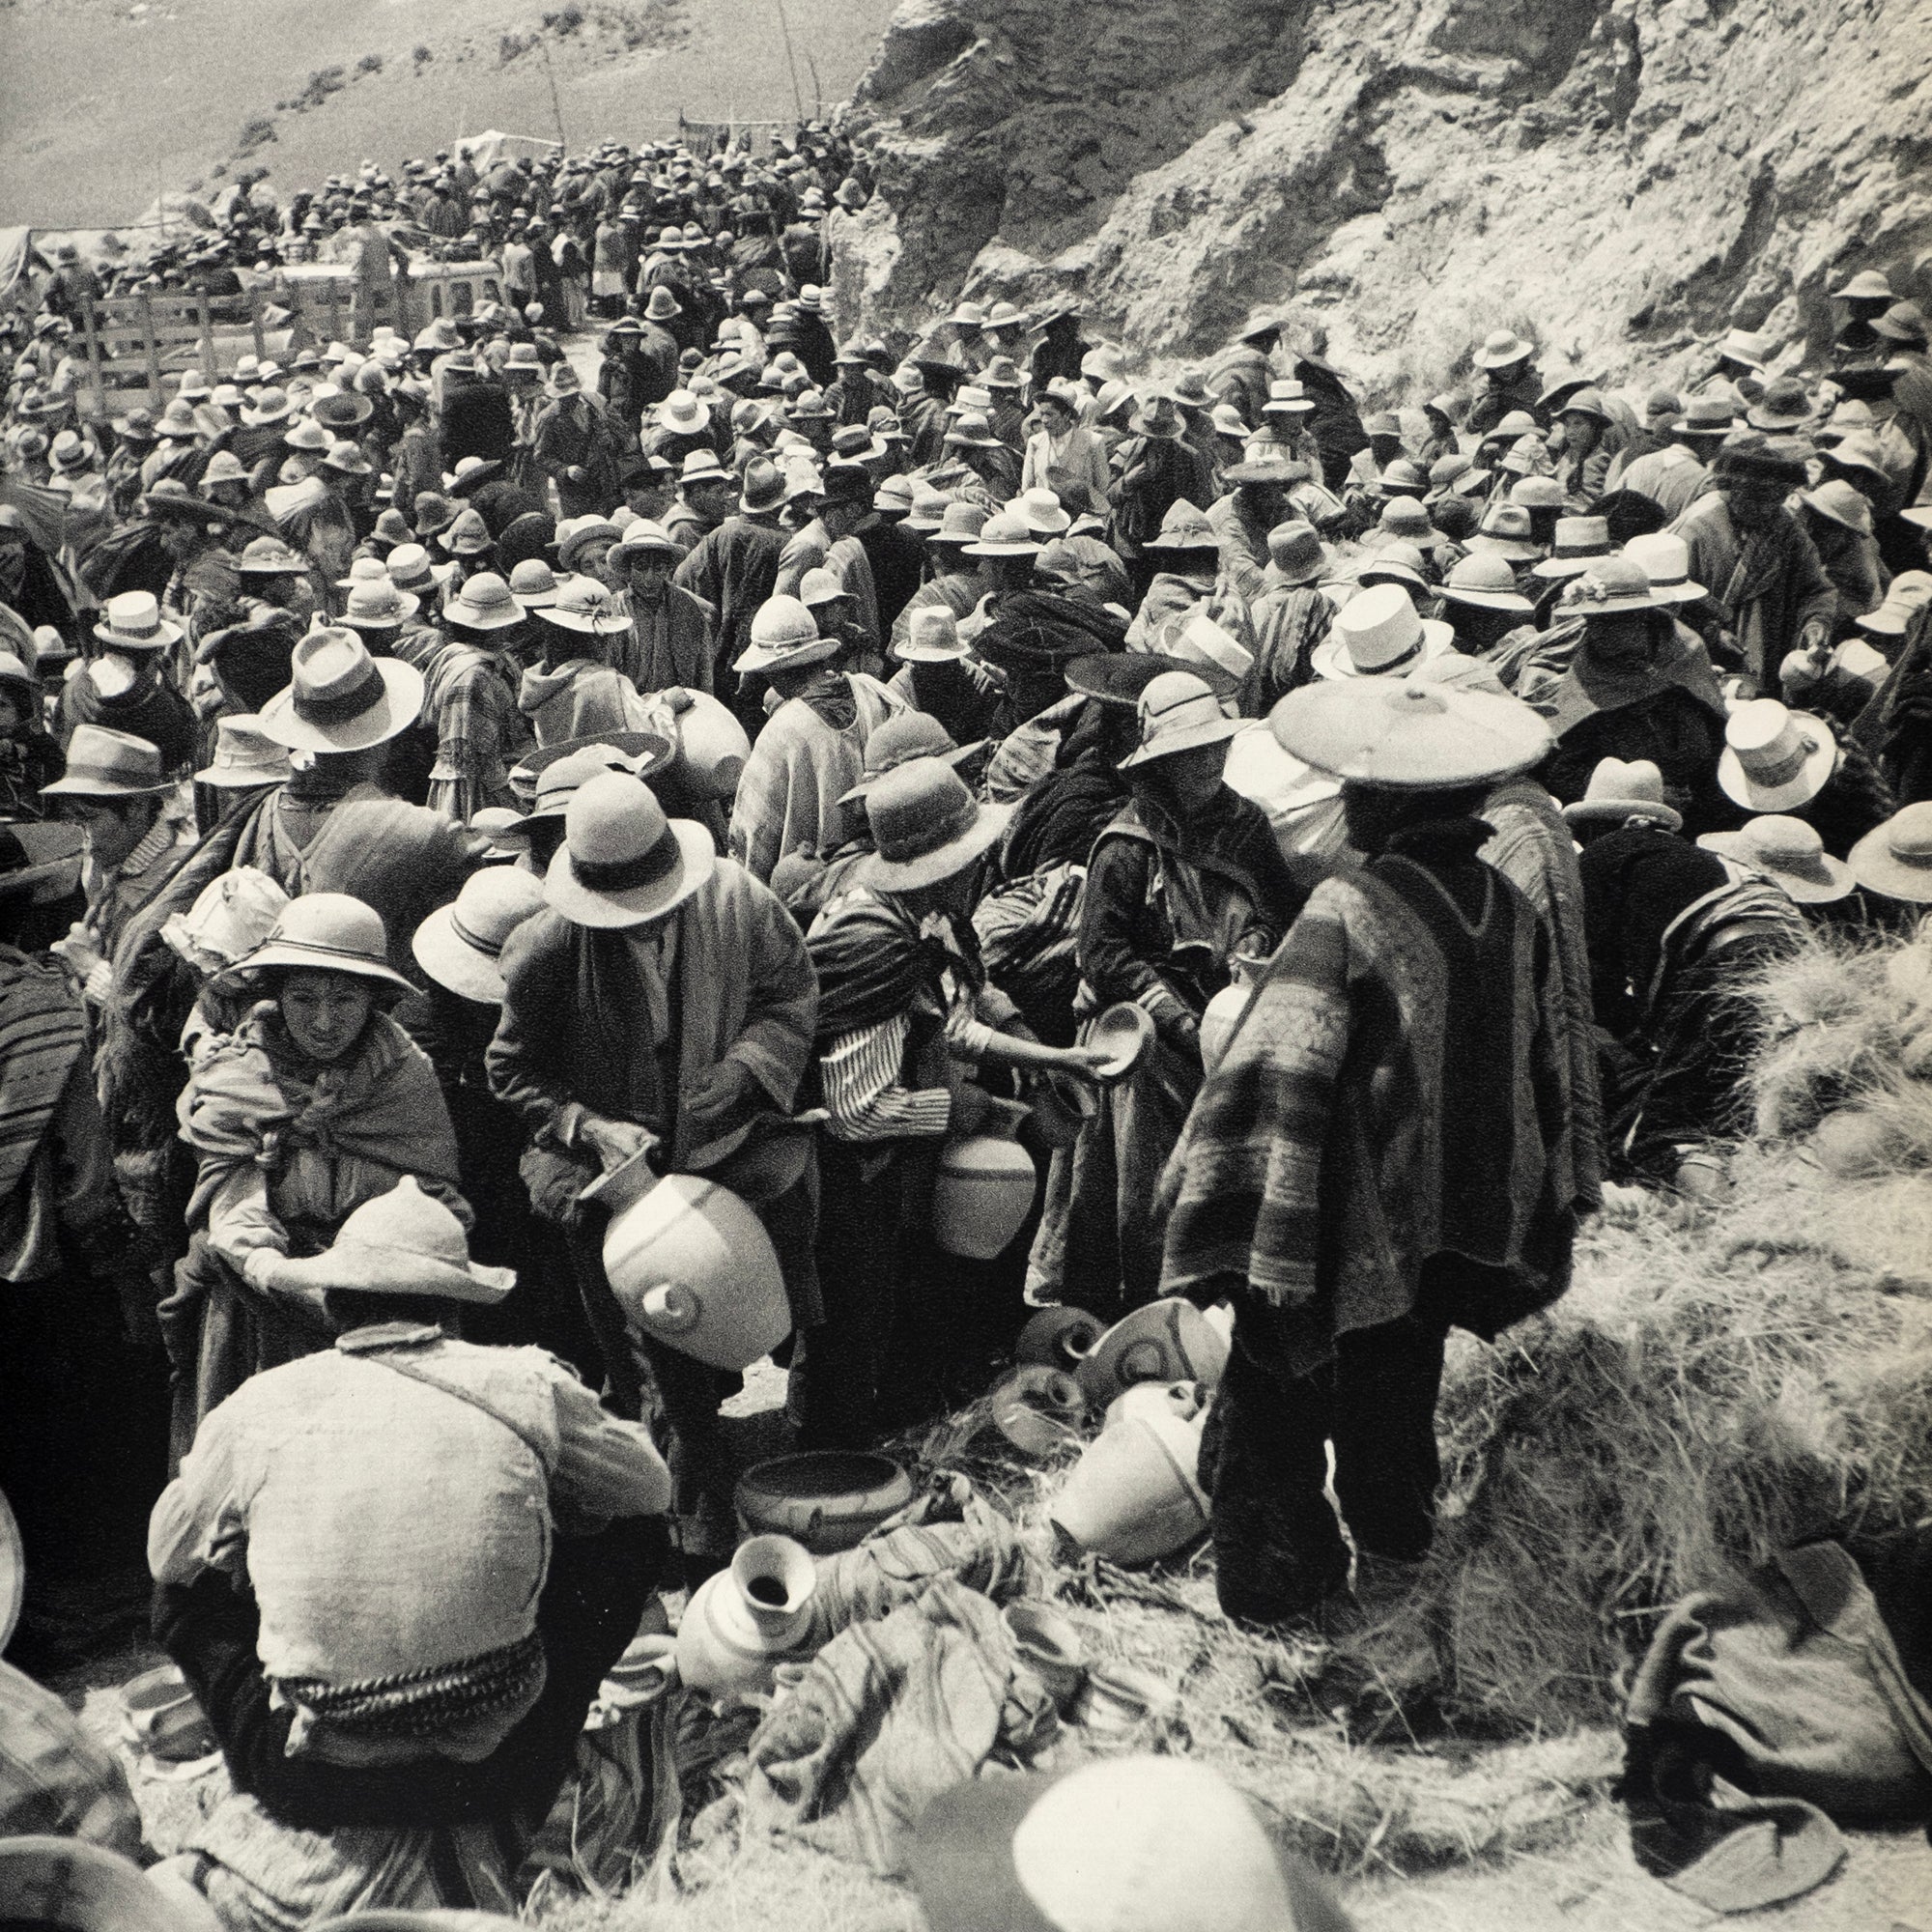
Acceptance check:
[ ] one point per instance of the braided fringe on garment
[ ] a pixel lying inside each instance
(421, 1702)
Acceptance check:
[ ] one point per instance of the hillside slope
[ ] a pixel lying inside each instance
(1628, 179)
(102, 102)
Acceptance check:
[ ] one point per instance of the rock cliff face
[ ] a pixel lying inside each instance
(1626, 181)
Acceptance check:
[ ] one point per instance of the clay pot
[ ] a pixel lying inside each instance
(1124, 1032)
(742, 1622)
(646, 1670)
(1039, 1409)
(984, 1190)
(1057, 1338)
(1223, 1014)
(1167, 1341)
(711, 748)
(691, 1265)
(1050, 1644)
(1133, 1496)
(828, 1499)
(1184, 1401)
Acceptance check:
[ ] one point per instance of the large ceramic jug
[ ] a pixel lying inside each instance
(1059, 1338)
(1167, 1341)
(711, 748)
(1224, 1012)
(1135, 1495)
(691, 1265)
(985, 1190)
(743, 1621)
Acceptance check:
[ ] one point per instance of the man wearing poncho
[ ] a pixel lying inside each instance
(1383, 1152)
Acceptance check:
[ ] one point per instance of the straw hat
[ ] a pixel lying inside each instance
(932, 638)
(1177, 712)
(1868, 285)
(683, 414)
(785, 635)
(134, 623)
(1619, 790)
(1288, 399)
(339, 699)
(1044, 515)
(377, 605)
(1297, 552)
(1607, 585)
(763, 486)
(1579, 541)
(466, 535)
(243, 756)
(506, 829)
(1377, 633)
(925, 826)
(559, 771)
(622, 861)
(231, 917)
(458, 944)
(1536, 493)
(902, 737)
(642, 533)
(484, 604)
(1135, 1844)
(1406, 517)
(103, 763)
(1507, 531)
(1841, 502)
(1184, 527)
(403, 1242)
(582, 604)
(1158, 417)
(1394, 562)
(308, 437)
(329, 932)
(412, 572)
(1404, 736)
(1911, 591)
(1895, 858)
(1005, 535)
(1788, 852)
(1665, 560)
(1485, 580)
(1500, 349)
(533, 583)
(1774, 759)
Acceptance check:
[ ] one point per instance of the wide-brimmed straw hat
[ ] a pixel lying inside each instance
(925, 826)
(1159, 418)
(413, 573)
(134, 622)
(1485, 580)
(1297, 552)
(1003, 534)
(466, 535)
(484, 604)
(932, 636)
(460, 945)
(377, 605)
(559, 771)
(1895, 858)
(403, 1242)
(104, 763)
(1500, 348)
(1665, 560)
(1578, 542)
(582, 604)
(1400, 736)
(1506, 531)
(785, 637)
(1378, 634)
(533, 583)
(1790, 853)
(1619, 790)
(1774, 759)
(329, 932)
(902, 737)
(244, 755)
(1842, 502)
(1177, 712)
(1607, 587)
(622, 861)
(1184, 526)
(339, 699)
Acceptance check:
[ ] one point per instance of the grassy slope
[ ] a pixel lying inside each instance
(100, 108)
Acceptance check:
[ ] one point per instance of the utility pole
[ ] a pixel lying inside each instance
(791, 61)
(555, 105)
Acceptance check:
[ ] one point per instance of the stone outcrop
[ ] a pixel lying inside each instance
(1626, 182)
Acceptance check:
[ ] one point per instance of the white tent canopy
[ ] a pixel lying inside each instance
(485, 151)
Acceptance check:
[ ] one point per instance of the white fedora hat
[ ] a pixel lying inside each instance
(622, 861)
(1377, 633)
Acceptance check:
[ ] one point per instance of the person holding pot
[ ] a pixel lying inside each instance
(1186, 880)
(905, 1012)
(661, 1007)
(317, 1102)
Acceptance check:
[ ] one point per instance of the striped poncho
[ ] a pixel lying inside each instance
(1393, 1092)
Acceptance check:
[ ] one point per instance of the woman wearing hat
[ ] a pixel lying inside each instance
(811, 750)
(904, 1013)
(1636, 686)
(1184, 883)
(316, 1103)
(1187, 584)
(1063, 457)
(575, 692)
(470, 701)
(1383, 1152)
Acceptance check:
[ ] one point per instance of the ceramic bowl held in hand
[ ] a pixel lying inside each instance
(1123, 1034)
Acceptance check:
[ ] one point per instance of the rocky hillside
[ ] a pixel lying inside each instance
(1625, 179)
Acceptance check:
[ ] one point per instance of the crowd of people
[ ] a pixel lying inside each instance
(440, 772)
